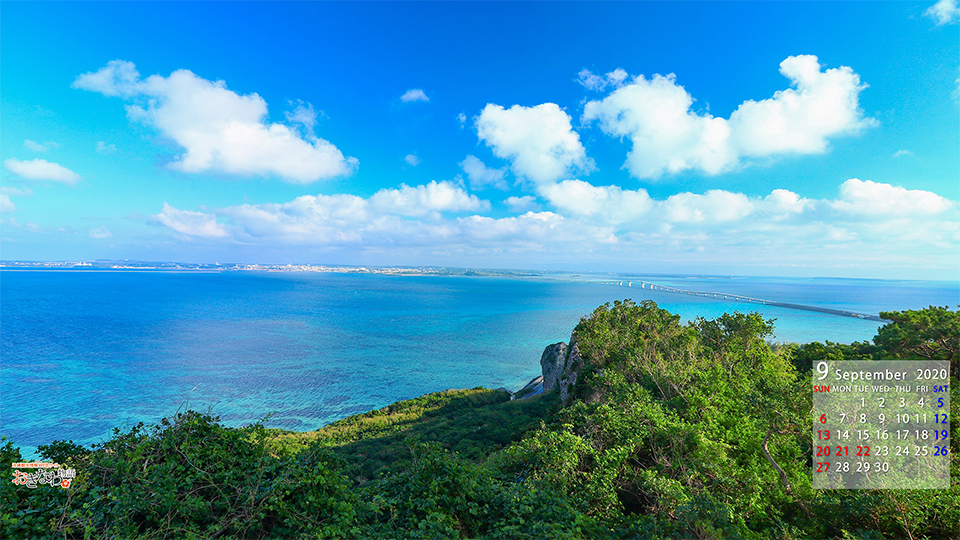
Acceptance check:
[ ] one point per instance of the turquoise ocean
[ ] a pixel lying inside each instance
(82, 352)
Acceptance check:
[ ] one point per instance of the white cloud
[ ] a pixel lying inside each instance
(782, 204)
(714, 206)
(608, 204)
(406, 216)
(636, 211)
(117, 78)
(481, 176)
(100, 233)
(822, 104)
(426, 199)
(539, 141)
(321, 219)
(390, 215)
(412, 160)
(24, 192)
(900, 153)
(6, 205)
(462, 119)
(532, 231)
(104, 148)
(41, 169)
(304, 115)
(943, 12)
(599, 83)
(870, 198)
(29, 226)
(415, 94)
(220, 130)
(522, 204)
(668, 137)
(37, 147)
(191, 223)
(869, 224)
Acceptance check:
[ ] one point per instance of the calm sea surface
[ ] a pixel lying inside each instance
(83, 352)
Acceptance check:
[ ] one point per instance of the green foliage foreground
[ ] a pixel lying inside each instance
(674, 431)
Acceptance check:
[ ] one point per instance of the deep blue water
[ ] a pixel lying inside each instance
(83, 352)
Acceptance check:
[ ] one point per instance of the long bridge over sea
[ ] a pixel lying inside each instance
(733, 297)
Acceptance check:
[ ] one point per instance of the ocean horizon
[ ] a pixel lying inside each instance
(86, 351)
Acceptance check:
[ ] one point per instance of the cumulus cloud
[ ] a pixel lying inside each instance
(519, 205)
(532, 230)
(637, 211)
(823, 104)
(608, 204)
(714, 206)
(412, 160)
(859, 202)
(41, 169)
(900, 153)
(117, 79)
(599, 83)
(426, 199)
(341, 220)
(539, 141)
(782, 204)
(220, 130)
(321, 219)
(334, 219)
(480, 176)
(414, 94)
(462, 119)
(669, 137)
(189, 223)
(870, 198)
(867, 223)
(943, 12)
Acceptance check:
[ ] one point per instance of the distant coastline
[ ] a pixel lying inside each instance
(617, 279)
(238, 267)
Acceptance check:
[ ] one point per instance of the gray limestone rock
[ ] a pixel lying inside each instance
(571, 371)
(552, 363)
(533, 388)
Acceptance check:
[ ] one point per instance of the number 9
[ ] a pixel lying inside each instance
(823, 370)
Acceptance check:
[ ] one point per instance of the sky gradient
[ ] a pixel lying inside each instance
(751, 138)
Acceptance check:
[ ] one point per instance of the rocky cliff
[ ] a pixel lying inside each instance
(560, 365)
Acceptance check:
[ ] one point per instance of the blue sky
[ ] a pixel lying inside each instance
(756, 138)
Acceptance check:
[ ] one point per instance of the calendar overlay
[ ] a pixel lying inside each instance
(881, 424)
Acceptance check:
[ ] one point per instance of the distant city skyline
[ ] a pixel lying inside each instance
(709, 138)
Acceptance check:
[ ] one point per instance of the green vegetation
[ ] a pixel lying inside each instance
(671, 431)
(471, 423)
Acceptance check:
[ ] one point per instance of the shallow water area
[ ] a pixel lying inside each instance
(86, 351)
